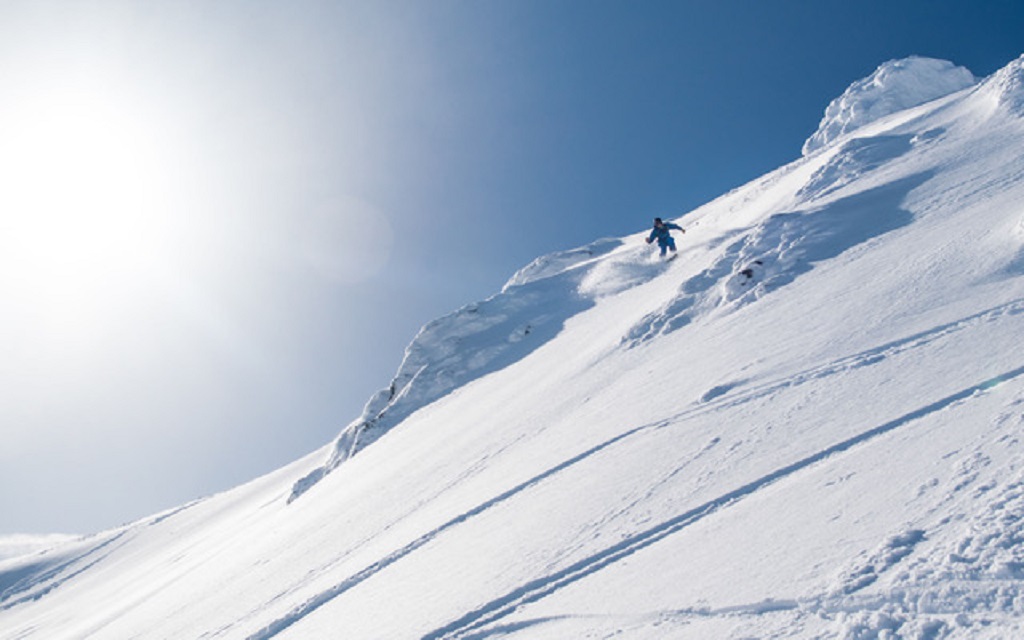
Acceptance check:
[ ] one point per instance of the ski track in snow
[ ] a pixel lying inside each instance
(324, 597)
(724, 395)
(542, 587)
(50, 577)
(785, 246)
(314, 603)
(715, 399)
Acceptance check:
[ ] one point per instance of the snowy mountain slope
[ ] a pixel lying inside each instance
(808, 425)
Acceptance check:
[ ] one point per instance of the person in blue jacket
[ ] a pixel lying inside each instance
(660, 232)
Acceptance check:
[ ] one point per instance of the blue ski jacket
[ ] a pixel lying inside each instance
(661, 233)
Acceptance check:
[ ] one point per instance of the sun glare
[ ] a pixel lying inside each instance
(81, 200)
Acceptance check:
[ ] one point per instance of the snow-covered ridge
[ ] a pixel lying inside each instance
(560, 261)
(1007, 86)
(475, 340)
(894, 86)
(15, 545)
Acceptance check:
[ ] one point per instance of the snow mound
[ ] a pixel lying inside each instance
(1007, 86)
(894, 86)
(561, 261)
(622, 271)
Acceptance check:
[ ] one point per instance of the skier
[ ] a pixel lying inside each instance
(665, 239)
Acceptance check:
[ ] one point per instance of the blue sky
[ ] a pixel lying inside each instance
(239, 213)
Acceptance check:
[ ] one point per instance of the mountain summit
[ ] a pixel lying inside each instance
(894, 86)
(807, 425)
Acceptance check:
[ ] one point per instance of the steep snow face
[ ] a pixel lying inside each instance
(894, 86)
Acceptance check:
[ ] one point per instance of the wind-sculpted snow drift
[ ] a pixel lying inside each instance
(807, 425)
(894, 86)
(1007, 86)
(470, 343)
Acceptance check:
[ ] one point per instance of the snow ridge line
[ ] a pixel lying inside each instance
(317, 601)
(540, 588)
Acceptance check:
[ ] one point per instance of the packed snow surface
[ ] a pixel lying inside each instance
(807, 425)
